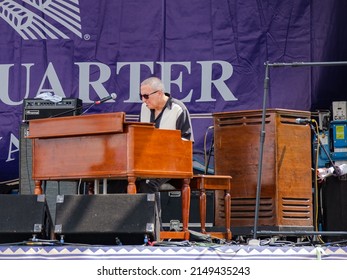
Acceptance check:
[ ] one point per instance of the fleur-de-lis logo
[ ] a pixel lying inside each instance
(46, 22)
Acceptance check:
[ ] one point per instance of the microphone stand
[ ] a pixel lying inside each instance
(112, 96)
(66, 112)
(261, 150)
(262, 133)
(75, 109)
(209, 156)
(88, 108)
(207, 162)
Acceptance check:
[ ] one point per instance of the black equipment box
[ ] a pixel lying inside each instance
(39, 108)
(171, 209)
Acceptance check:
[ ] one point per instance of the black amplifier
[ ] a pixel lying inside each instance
(171, 209)
(39, 108)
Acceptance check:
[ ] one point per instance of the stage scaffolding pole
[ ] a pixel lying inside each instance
(262, 132)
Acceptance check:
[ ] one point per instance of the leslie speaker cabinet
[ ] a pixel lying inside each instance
(286, 185)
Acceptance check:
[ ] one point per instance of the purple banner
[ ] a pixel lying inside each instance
(210, 54)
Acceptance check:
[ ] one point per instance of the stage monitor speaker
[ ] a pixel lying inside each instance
(171, 209)
(26, 183)
(111, 219)
(334, 200)
(24, 217)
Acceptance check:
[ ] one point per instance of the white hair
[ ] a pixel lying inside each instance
(155, 83)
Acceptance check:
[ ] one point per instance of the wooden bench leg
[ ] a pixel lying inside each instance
(184, 234)
(214, 182)
(227, 201)
(202, 208)
(185, 207)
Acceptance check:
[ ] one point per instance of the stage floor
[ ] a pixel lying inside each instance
(172, 251)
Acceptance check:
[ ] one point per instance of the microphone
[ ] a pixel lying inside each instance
(303, 121)
(112, 96)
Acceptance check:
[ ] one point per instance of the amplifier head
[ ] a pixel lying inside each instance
(39, 108)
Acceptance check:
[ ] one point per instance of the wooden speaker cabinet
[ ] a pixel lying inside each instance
(286, 188)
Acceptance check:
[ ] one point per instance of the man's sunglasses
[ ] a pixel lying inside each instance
(146, 96)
